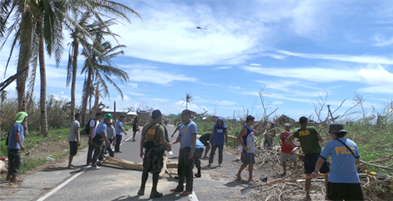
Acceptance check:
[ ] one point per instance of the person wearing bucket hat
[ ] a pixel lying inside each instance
(99, 139)
(14, 144)
(343, 179)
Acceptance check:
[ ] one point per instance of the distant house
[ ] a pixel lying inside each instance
(128, 114)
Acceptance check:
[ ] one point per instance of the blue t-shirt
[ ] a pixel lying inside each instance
(12, 144)
(186, 132)
(219, 133)
(343, 168)
(101, 128)
(199, 144)
(118, 125)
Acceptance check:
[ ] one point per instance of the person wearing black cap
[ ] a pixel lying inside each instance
(153, 140)
(187, 139)
(343, 179)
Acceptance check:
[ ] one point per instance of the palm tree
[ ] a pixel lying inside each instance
(188, 100)
(44, 18)
(99, 67)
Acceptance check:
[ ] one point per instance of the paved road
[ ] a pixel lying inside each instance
(109, 183)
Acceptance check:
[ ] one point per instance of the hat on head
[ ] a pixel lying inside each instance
(108, 116)
(20, 116)
(336, 128)
(156, 113)
(287, 124)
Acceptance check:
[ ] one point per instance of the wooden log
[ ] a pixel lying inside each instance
(132, 165)
(163, 169)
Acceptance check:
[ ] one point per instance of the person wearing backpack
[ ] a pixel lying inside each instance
(91, 128)
(14, 144)
(343, 179)
(154, 142)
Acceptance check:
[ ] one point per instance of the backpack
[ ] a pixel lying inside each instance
(87, 126)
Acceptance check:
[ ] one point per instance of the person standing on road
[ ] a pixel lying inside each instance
(14, 144)
(153, 140)
(217, 140)
(205, 139)
(93, 124)
(74, 139)
(110, 131)
(309, 142)
(135, 128)
(119, 133)
(343, 179)
(246, 139)
(99, 139)
(187, 139)
(286, 149)
(197, 156)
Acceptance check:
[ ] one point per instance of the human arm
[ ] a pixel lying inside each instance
(122, 129)
(239, 138)
(226, 137)
(289, 139)
(318, 166)
(141, 146)
(91, 131)
(78, 142)
(105, 138)
(211, 138)
(176, 140)
(18, 140)
(191, 155)
(175, 131)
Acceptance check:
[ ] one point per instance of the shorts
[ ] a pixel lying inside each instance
(204, 142)
(285, 156)
(248, 158)
(344, 191)
(134, 128)
(73, 148)
(309, 164)
(13, 161)
(153, 160)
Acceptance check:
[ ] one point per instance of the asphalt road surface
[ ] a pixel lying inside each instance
(117, 184)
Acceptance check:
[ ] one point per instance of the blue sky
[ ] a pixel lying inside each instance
(296, 51)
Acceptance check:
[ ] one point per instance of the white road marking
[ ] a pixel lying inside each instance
(67, 181)
(192, 197)
(61, 185)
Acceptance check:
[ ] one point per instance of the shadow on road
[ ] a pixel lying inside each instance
(171, 196)
(235, 183)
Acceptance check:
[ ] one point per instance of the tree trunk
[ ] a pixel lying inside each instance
(73, 84)
(41, 55)
(97, 98)
(87, 94)
(26, 38)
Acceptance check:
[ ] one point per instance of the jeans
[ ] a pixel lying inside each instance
(213, 151)
(109, 149)
(97, 152)
(197, 156)
(90, 153)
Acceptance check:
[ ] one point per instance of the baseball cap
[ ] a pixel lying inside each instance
(336, 128)
(156, 113)
(287, 124)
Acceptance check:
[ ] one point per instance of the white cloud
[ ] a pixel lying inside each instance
(348, 58)
(376, 76)
(381, 41)
(168, 34)
(223, 68)
(132, 85)
(277, 103)
(386, 89)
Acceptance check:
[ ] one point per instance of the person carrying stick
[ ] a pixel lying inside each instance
(246, 139)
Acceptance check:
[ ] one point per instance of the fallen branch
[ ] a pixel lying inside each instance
(377, 166)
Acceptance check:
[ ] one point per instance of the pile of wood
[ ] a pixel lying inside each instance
(112, 161)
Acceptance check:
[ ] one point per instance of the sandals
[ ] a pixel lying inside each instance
(17, 180)
(71, 167)
(176, 190)
(253, 179)
(238, 177)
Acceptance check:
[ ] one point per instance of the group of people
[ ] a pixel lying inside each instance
(342, 181)
(341, 177)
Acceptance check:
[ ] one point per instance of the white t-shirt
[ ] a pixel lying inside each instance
(74, 124)
(96, 123)
(110, 132)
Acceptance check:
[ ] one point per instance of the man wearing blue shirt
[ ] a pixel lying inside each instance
(99, 139)
(119, 133)
(343, 179)
(187, 139)
(14, 145)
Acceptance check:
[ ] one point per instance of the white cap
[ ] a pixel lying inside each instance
(287, 124)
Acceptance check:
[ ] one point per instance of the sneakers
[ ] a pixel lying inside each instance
(95, 167)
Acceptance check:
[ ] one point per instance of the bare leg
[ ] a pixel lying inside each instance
(238, 174)
(284, 165)
(70, 162)
(133, 136)
(250, 169)
(307, 188)
(206, 151)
